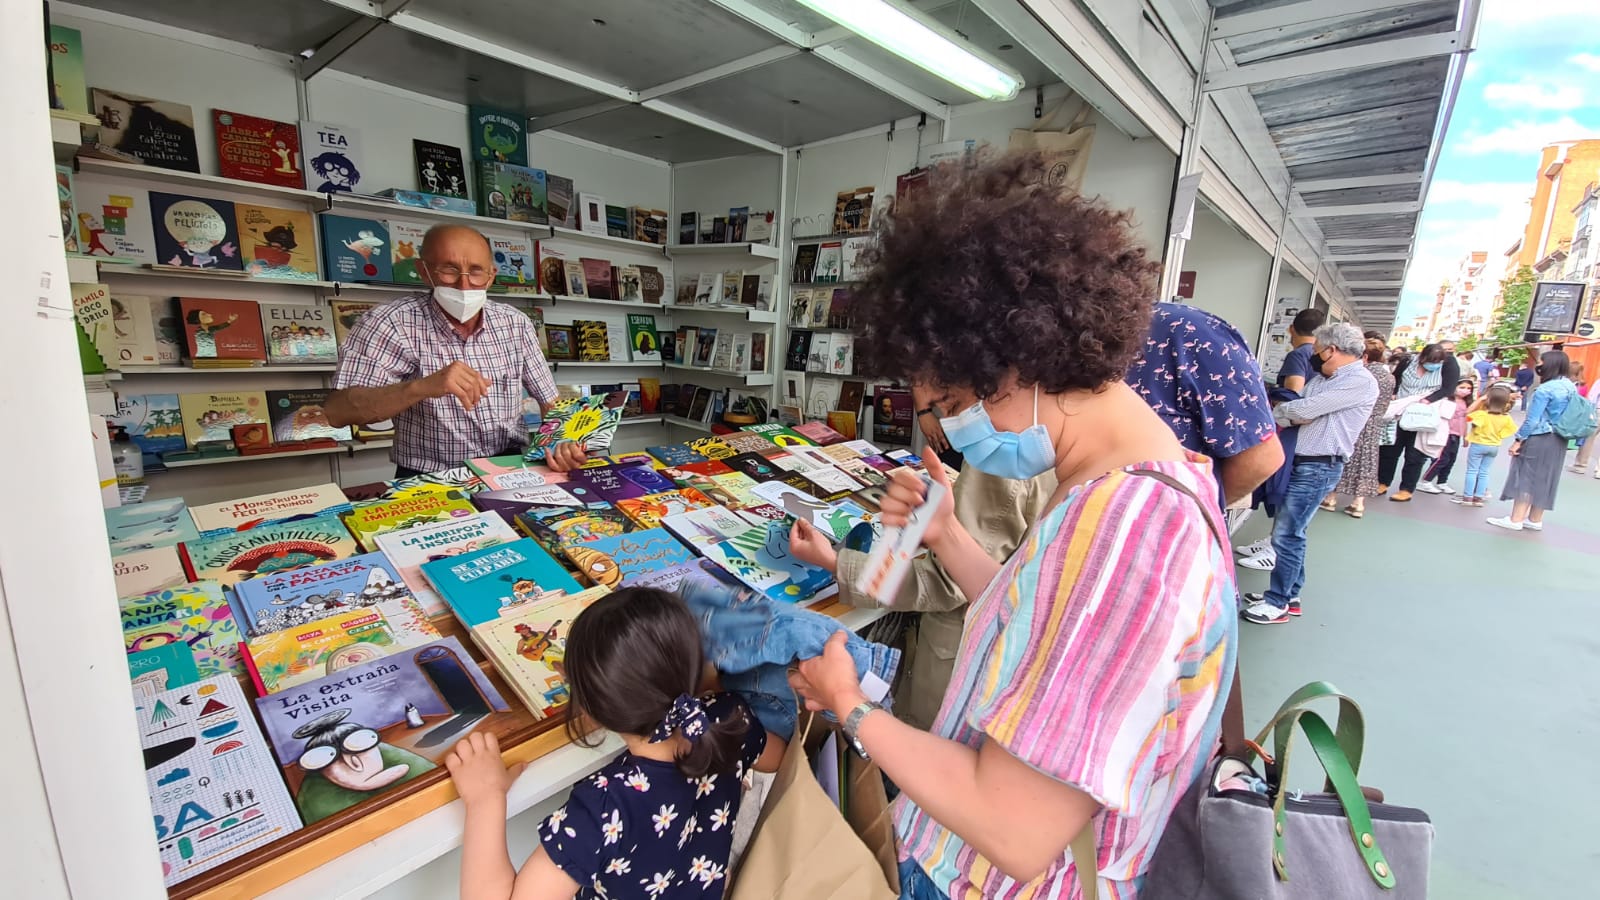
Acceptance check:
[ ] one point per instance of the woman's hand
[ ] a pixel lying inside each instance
(1516, 448)
(808, 545)
(477, 770)
(829, 683)
(905, 493)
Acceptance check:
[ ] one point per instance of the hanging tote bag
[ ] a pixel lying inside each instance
(1226, 840)
(1420, 416)
(1067, 152)
(802, 847)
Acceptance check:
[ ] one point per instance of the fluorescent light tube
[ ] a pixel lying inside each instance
(914, 40)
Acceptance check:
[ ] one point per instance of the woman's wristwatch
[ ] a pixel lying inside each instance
(852, 726)
(926, 412)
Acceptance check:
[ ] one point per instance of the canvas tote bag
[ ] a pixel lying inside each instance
(1067, 152)
(803, 848)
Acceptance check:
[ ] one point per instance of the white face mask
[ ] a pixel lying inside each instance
(459, 304)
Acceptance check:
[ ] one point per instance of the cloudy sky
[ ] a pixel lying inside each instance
(1534, 80)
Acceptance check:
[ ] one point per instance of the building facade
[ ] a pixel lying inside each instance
(1566, 172)
(1466, 302)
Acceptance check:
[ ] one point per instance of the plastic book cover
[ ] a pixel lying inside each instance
(497, 136)
(616, 561)
(161, 668)
(141, 571)
(333, 157)
(153, 421)
(557, 530)
(265, 549)
(507, 503)
(649, 511)
(195, 232)
(760, 558)
(410, 548)
(439, 168)
(215, 791)
(369, 520)
(150, 132)
(705, 526)
(222, 329)
(299, 596)
(528, 645)
(277, 243)
(483, 585)
(264, 509)
(513, 261)
(147, 525)
(251, 148)
(674, 454)
(350, 736)
(593, 420)
(300, 653)
(197, 615)
(355, 249)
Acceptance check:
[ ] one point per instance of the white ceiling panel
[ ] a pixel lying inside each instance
(649, 133)
(284, 26)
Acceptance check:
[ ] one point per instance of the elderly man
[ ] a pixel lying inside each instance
(1335, 406)
(448, 366)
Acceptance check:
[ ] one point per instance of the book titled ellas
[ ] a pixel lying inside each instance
(297, 597)
(232, 558)
(195, 232)
(194, 614)
(298, 334)
(373, 519)
(264, 509)
(215, 792)
(410, 548)
(482, 585)
(366, 729)
(218, 330)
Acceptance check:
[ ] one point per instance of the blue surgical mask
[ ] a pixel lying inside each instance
(1003, 454)
(1432, 367)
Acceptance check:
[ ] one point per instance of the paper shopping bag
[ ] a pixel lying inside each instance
(867, 811)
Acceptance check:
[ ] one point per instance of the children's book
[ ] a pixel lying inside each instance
(497, 135)
(674, 454)
(232, 558)
(783, 436)
(211, 417)
(820, 434)
(642, 340)
(195, 232)
(405, 247)
(671, 578)
(113, 221)
(483, 585)
(592, 420)
(751, 442)
(133, 322)
(277, 243)
(333, 157)
(832, 482)
(97, 328)
(616, 561)
(216, 330)
(292, 656)
(644, 474)
(144, 131)
(760, 557)
(299, 334)
(160, 669)
(355, 249)
(297, 597)
(251, 148)
(69, 90)
(439, 168)
(459, 478)
(197, 615)
(148, 525)
(515, 193)
(739, 487)
(508, 503)
(513, 261)
(153, 421)
(265, 509)
(141, 571)
(528, 645)
(558, 529)
(410, 548)
(369, 520)
(502, 473)
(756, 466)
(350, 736)
(346, 313)
(650, 510)
(215, 792)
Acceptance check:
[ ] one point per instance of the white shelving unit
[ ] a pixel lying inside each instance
(243, 370)
(344, 447)
(762, 251)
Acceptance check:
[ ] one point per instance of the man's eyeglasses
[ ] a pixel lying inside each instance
(449, 274)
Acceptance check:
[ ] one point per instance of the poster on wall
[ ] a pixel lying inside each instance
(1589, 323)
(1275, 339)
(1555, 310)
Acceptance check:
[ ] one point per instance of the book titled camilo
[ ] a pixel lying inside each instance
(369, 728)
(265, 509)
(232, 558)
(410, 548)
(222, 333)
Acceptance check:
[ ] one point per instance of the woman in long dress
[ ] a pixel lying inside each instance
(1537, 452)
(1360, 479)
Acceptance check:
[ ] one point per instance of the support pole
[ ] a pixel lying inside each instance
(1188, 154)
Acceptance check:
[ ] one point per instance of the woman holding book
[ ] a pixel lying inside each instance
(1089, 685)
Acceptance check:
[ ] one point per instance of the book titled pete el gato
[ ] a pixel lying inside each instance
(234, 557)
(265, 509)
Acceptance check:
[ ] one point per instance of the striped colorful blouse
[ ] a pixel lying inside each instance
(1096, 656)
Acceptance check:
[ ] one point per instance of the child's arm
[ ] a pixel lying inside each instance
(768, 761)
(486, 870)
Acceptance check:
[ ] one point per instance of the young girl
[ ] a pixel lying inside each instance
(1489, 423)
(657, 821)
(1437, 481)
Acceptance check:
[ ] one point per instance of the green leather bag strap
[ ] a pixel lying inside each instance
(1351, 731)
(1086, 861)
(1358, 816)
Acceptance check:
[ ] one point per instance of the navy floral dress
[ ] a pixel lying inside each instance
(639, 828)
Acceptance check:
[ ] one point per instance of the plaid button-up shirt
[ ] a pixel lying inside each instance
(412, 338)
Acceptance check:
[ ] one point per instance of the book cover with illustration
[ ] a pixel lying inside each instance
(153, 421)
(820, 434)
(369, 520)
(295, 597)
(197, 614)
(560, 201)
(211, 417)
(751, 442)
(457, 478)
(650, 510)
(439, 168)
(333, 157)
(597, 278)
(231, 558)
(222, 329)
(712, 448)
(299, 334)
(96, 319)
(708, 525)
(350, 736)
(756, 466)
(277, 243)
(299, 416)
(215, 790)
(68, 208)
(642, 340)
(592, 339)
(410, 548)
(528, 645)
(502, 473)
(893, 414)
(513, 261)
(144, 131)
(295, 655)
(141, 571)
(485, 584)
(674, 454)
(592, 420)
(509, 502)
(113, 221)
(346, 313)
(161, 668)
(265, 509)
(498, 135)
(251, 148)
(405, 240)
(760, 557)
(514, 193)
(69, 89)
(147, 525)
(558, 529)
(355, 249)
(195, 232)
(618, 560)
(779, 434)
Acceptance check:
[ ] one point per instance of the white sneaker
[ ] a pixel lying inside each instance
(1255, 549)
(1263, 613)
(1446, 489)
(1532, 526)
(1428, 487)
(1505, 522)
(1263, 562)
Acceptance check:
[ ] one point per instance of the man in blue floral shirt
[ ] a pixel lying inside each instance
(1197, 373)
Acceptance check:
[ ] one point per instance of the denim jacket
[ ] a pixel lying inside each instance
(1548, 403)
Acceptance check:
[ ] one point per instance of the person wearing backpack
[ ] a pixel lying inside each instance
(1556, 415)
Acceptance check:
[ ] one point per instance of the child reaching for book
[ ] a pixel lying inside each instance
(657, 821)
(1489, 423)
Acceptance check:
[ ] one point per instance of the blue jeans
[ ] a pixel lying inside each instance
(1309, 482)
(1480, 457)
(752, 640)
(916, 885)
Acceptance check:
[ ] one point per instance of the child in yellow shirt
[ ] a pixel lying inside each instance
(1489, 423)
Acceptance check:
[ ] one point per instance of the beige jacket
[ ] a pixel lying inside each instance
(998, 512)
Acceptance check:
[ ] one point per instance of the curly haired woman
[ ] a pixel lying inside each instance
(1088, 687)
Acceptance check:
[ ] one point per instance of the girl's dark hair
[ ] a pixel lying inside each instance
(629, 656)
(1433, 353)
(991, 269)
(1472, 388)
(1554, 364)
(193, 318)
(1376, 350)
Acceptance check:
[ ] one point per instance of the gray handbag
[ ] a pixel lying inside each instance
(1231, 843)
